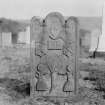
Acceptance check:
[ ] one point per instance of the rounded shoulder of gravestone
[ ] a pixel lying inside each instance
(72, 19)
(72, 24)
(36, 27)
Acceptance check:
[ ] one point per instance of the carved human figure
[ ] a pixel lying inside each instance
(69, 84)
(41, 83)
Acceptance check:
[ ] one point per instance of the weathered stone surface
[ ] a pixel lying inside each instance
(57, 54)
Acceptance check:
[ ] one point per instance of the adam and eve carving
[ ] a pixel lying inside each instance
(55, 50)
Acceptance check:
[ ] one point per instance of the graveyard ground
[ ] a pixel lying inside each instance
(15, 76)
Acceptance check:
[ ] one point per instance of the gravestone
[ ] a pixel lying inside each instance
(54, 58)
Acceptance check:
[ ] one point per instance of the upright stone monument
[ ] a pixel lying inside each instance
(54, 55)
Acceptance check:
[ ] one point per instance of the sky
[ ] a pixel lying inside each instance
(26, 9)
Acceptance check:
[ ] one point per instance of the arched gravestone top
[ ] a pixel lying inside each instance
(54, 28)
(57, 15)
(54, 22)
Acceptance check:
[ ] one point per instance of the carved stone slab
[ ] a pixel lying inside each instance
(54, 56)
